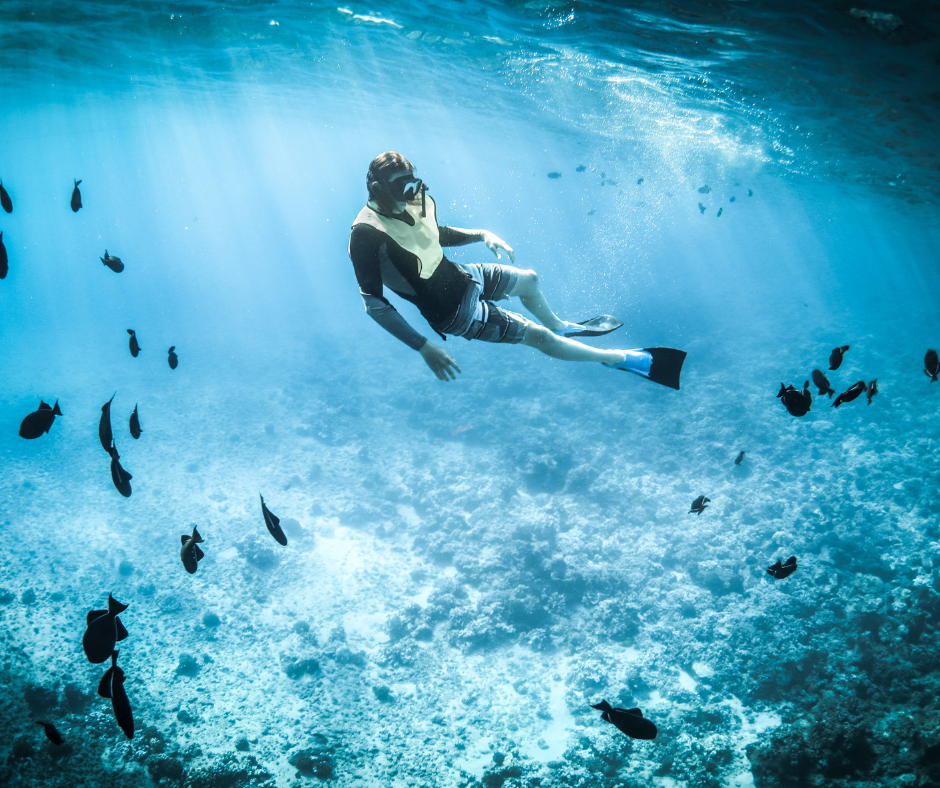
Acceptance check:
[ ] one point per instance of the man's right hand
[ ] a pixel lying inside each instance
(440, 361)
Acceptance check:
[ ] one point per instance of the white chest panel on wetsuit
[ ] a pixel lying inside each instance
(422, 240)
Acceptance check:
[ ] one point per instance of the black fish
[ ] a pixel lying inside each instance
(39, 421)
(51, 733)
(273, 524)
(701, 208)
(114, 263)
(731, 198)
(639, 181)
(554, 175)
(580, 168)
(719, 212)
(4, 260)
(872, 389)
(931, 360)
(104, 426)
(740, 457)
(104, 630)
(135, 348)
(849, 394)
(190, 553)
(780, 571)
(823, 383)
(750, 193)
(705, 189)
(5, 200)
(120, 477)
(112, 686)
(628, 721)
(76, 198)
(173, 359)
(796, 402)
(698, 505)
(135, 424)
(835, 358)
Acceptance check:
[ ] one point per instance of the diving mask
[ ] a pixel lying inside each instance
(406, 188)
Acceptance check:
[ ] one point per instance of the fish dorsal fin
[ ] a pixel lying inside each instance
(791, 561)
(121, 632)
(198, 553)
(634, 712)
(93, 614)
(104, 686)
(43, 405)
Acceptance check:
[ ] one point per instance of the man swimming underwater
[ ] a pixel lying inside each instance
(397, 242)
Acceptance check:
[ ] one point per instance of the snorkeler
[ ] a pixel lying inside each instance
(397, 242)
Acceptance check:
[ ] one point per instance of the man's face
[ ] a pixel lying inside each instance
(403, 186)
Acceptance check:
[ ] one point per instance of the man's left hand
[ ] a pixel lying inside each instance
(494, 243)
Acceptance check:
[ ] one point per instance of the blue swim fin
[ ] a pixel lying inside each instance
(660, 364)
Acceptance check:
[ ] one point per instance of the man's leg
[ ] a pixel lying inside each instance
(527, 288)
(541, 338)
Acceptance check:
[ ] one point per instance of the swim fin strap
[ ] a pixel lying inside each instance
(660, 364)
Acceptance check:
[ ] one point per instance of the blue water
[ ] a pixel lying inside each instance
(471, 565)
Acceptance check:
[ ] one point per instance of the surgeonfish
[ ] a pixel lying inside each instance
(273, 524)
(698, 505)
(853, 392)
(172, 357)
(104, 630)
(872, 389)
(104, 426)
(701, 208)
(628, 721)
(114, 263)
(120, 477)
(796, 402)
(39, 421)
(822, 383)
(780, 571)
(135, 424)
(5, 200)
(76, 197)
(135, 348)
(4, 260)
(52, 734)
(835, 358)
(190, 553)
(931, 361)
(580, 168)
(112, 686)
(704, 189)
(739, 459)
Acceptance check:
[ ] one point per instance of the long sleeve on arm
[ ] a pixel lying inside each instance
(454, 236)
(383, 313)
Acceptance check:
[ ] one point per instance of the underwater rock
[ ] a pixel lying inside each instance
(40, 700)
(186, 716)
(258, 556)
(316, 760)
(28, 597)
(383, 694)
(6, 597)
(242, 744)
(296, 668)
(211, 620)
(230, 771)
(76, 700)
(164, 768)
(188, 665)
(125, 568)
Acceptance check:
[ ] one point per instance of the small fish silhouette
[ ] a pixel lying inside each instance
(739, 459)
(750, 193)
(719, 211)
(931, 361)
(591, 212)
(872, 389)
(853, 392)
(135, 348)
(190, 553)
(554, 175)
(835, 358)
(698, 505)
(273, 524)
(104, 425)
(172, 358)
(701, 208)
(76, 198)
(731, 198)
(51, 733)
(705, 189)
(39, 421)
(639, 181)
(780, 571)
(112, 686)
(796, 402)
(104, 629)
(120, 477)
(822, 383)
(135, 424)
(580, 168)
(4, 260)
(628, 721)
(114, 263)
(5, 201)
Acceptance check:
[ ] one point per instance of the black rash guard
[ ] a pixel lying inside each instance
(380, 262)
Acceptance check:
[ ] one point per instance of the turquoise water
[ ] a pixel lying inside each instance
(471, 565)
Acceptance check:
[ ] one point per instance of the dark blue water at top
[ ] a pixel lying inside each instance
(471, 565)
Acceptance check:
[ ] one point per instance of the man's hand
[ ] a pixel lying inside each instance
(494, 243)
(439, 360)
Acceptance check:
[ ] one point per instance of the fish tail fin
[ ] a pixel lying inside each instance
(603, 706)
(196, 536)
(130, 331)
(844, 348)
(115, 607)
(172, 348)
(78, 181)
(830, 392)
(56, 410)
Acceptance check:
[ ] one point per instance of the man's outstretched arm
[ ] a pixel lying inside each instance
(458, 236)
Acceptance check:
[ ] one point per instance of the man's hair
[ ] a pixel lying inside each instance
(381, 169)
